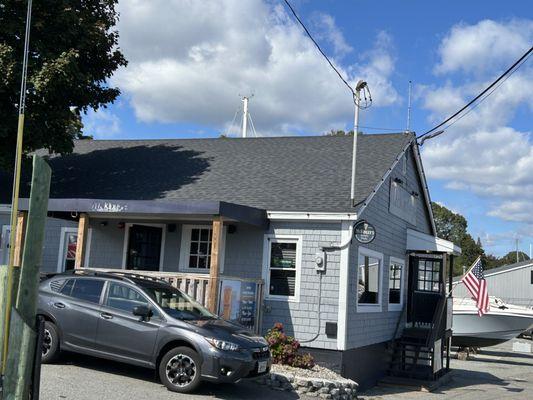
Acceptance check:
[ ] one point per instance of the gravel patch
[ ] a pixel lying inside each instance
(317, 372)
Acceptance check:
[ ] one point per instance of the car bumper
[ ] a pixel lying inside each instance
(221, 368)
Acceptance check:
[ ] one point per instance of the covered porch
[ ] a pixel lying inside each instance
(184, 243)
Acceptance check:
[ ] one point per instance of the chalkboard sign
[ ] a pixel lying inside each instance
(238, 302)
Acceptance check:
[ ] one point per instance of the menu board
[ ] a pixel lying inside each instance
(238, 302)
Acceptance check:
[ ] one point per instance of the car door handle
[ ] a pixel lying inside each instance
(59, 305)
(105, 315)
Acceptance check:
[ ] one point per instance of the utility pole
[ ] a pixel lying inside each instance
(360, 86)
(517, 260)
(244, 115)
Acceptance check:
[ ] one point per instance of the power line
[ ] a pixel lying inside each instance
(320, 49)
(487, 95)
(524, 56)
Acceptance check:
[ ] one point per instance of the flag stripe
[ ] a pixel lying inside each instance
(475, 282)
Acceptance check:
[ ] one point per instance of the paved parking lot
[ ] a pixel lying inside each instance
(496, 373)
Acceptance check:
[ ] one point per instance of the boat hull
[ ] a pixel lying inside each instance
(470, 330)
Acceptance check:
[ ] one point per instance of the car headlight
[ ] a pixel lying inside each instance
(223, 345)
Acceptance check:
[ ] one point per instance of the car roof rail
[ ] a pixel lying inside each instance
(141, 276)
(100, 274)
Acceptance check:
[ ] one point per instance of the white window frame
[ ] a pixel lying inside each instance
(274, 238)
(127, 238)
(369, 308)
(185, 247)
(397, 306)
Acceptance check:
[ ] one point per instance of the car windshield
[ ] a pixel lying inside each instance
(176, 303)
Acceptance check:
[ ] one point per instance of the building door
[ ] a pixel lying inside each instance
(4, 244)
(144, 248)
(426, 287)
(67, 249)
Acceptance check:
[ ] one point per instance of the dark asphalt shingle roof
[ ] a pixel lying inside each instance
(310, 173)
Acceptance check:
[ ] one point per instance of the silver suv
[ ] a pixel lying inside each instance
(144, 321)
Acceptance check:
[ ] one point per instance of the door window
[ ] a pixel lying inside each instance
(124, 298)
(87, 289)
(429, 275)
(69, 251)
(144, 248)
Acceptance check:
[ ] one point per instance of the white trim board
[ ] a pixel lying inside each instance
(344, 287)
(127, 227)
(310, 216)
(267, 239)
(419, 241)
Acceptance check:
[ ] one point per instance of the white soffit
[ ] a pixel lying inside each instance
(419, 241)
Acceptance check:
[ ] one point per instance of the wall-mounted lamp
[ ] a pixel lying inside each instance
(413, 193)
(121, 225)
(398, 180)
(103, 223)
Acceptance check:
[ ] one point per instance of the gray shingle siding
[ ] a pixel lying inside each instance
(366, 328)
(301, 318)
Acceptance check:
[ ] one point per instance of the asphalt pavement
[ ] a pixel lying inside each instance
(495, 373)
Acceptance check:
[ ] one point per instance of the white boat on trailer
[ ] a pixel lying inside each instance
(503, 322)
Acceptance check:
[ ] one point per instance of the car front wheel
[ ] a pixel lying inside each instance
(50, 347)
(179, 370)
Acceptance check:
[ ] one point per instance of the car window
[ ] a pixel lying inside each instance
(87, 289)
(67, 288)
(124, 298)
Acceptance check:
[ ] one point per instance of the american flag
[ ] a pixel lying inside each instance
(477, 285)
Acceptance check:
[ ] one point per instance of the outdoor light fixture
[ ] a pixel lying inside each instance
(398, 180)
(103, 223)
(121, 225)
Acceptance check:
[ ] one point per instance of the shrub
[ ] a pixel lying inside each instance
(284, 349)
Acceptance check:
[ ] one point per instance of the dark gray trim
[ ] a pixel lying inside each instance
(237, 212)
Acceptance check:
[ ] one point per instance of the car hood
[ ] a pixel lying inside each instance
(224, 330)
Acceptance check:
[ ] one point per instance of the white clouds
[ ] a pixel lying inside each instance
(101, 124)
(482, 152)
(485, 46)
(190, 60)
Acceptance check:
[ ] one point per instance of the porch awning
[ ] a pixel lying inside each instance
(156, 208)
(418, 241)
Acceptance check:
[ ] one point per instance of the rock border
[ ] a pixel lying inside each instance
(312, 387)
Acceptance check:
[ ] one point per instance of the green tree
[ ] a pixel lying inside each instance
(453, 227)
(73, 52)
(339, 132)
(510, 258)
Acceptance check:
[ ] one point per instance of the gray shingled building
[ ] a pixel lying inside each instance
(279, 206)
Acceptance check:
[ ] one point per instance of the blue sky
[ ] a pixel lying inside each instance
(189, 61)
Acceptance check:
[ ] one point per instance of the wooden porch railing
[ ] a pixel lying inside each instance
(195, 285)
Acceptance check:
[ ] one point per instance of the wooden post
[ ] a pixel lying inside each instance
(83, 224)
(214, 271)
(19, 237)
(22, 336)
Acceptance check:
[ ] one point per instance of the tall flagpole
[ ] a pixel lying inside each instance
(16, 187)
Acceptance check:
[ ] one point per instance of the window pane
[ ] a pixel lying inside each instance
(204, 235)
(203, 248)
(88, 290)
(368, 285)
(195, 234)
(202, 262)
(194, 247)
(124, 298)
(395, 281)
(193, 262)
(67, 289)
(283, 255)
(282, 282)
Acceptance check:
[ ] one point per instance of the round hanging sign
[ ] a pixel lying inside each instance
(364, 232)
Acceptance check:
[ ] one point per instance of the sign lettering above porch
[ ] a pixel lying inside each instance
(107, 206)
(364, 232)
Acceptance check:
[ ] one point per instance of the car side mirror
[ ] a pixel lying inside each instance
(142, 311)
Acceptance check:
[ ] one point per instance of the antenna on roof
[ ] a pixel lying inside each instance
(408, 129)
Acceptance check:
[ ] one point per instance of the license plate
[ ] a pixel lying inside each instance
(262, 366)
